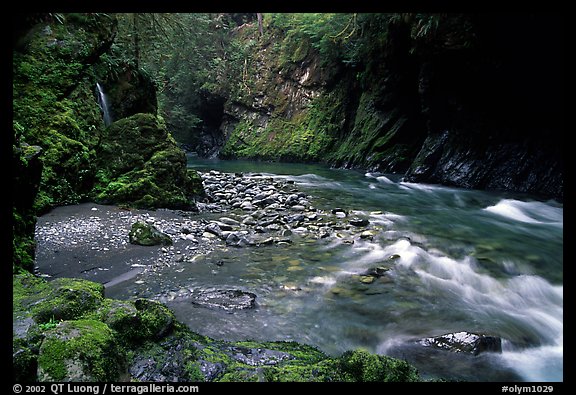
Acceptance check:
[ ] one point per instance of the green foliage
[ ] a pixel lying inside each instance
(53, 323)
(53, 104)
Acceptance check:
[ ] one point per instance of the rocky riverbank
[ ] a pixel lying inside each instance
(109, 245)
(92, 241)
(65, 329)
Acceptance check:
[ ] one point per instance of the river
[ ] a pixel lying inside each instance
(455, 260)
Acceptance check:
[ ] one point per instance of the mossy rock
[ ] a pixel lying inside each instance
(83, 350)
(362, 366)
(68, 299)
(55, 107)
(24, 362)
(141, 165)
(145, 234)
(138, 321)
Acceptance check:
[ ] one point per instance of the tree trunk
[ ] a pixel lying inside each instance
(260, 29)
(136, 37)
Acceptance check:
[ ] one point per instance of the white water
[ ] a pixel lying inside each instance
(103, 103)
(522, 306)
(457, 260)
(529, 212)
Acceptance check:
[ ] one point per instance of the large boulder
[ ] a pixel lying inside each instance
(141, 165)
(67, 299)
(83, 350)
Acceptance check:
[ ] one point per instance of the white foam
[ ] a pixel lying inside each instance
(529, 301)
(528, 212)
(543, 364)
(385, 180)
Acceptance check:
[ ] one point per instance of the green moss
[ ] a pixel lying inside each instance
(68, 299)
(27, 290)
(147, 235)
(54, 105)
(307, 137)
(193, 371)
(151, 172)
(360, 365)
(156, 319)
(83, 350)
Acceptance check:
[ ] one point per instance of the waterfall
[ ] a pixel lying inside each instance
(103, 103)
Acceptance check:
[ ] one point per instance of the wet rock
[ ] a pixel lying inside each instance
(214, 229)
(258, 356)
(247, 206)
(367, 234)
(229, 299)
(375, 271)
(359, 221)
(339, 212)
(229, 221)
(464, 342)
(146, 234)
(233, 239)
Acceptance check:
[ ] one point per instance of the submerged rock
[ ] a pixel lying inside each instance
(229, 299)
(464, 342)
(359, 222)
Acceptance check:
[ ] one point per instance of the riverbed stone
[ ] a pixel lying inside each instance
(146, 234)
(228, 299)
(359, 222)
(464, 342)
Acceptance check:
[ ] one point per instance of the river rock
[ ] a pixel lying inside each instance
(214, 229)
(146, 234)
(233, 239)
(375, 271)
(229, 299)
(367, 234)
(258, 356)
(359, 221)
(464, 342)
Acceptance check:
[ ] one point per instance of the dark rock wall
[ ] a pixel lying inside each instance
(494, 111)
(475, 101)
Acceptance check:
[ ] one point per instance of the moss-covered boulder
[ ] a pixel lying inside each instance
(82, 350)
(138, 321)
(68, 299)
(362, 366)
(145, 234)
(141, 165)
